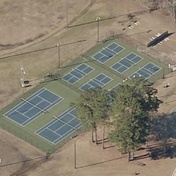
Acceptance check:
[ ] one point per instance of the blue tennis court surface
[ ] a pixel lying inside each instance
(108, 52)
(78, 73)
(97, 82)
(146, 71)
(61, 127)
(36, 104)
(126, 63)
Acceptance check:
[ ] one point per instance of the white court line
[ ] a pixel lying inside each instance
(36, 115)
(53, 121)
(42, 99)
(19, 105)
(22, 103)
(96, 54)
(73, 76)
(96, 81)
(109, 50)
(88, 66)
(117, 45)
(52, 93)
(115, 86)
(148, 70)
(115, 53)
(99, 81)
(79, 71)
(87, 83)
(108, 81)
(53, 104)
(64, 123)
(67, 134)
(46, 138)
(122, 65)
(67, 123)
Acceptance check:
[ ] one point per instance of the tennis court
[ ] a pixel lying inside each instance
(97, 82)
(77, 73)
(108, 52)
(45, 118)
(126, 63)
(60, 127)
(146, 71)
(29, 109)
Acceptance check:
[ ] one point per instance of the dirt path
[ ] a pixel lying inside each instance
(24, 22)
(70, 16)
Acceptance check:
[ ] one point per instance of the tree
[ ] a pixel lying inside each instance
(132, 104)
(92, 109)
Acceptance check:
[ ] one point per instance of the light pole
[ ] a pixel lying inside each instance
(58, 53)
(98, 26)
(166, 87)
(67, 12)
(22, 75)
(75, 155)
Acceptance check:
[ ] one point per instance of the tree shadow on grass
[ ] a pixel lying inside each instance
(23, 161)
(98, 163)
(164, 130)
(106, 141)
(100, 141)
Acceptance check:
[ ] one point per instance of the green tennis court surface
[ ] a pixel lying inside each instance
(43, 116)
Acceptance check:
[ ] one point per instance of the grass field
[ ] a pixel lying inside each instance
(69, 92)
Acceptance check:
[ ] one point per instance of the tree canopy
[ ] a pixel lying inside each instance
(130, 114)
(129, 107)
(92, 107)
